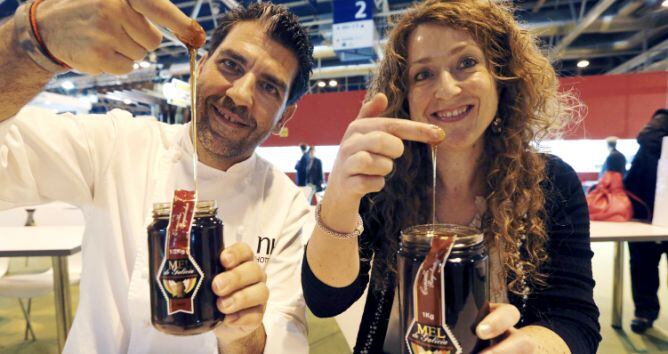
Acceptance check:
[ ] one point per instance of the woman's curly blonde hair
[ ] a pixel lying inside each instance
(530, 108)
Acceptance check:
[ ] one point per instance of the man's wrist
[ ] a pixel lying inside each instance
(22, 56)
(29, 45)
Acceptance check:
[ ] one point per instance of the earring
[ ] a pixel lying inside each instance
(496, 125)
(283, 133)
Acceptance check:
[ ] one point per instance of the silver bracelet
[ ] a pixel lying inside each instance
(356, 233)
(29, 43)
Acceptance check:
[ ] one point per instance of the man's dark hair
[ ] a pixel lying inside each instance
(303, 147)
(612, 142)
(281, 26)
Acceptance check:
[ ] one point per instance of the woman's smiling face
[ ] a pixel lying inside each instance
(450, 85)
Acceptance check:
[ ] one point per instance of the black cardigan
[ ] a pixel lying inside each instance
(566, 305)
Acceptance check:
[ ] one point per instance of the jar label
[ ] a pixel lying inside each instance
(428, 331)
(179, 276)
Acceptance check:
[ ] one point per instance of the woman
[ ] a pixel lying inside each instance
(463, 67)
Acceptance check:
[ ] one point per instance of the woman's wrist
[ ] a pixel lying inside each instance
(340, 215)
(359, 226)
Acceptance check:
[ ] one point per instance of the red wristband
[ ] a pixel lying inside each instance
(35, 31)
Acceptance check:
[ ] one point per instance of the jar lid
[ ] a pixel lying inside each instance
(466, 236)
(204, 208)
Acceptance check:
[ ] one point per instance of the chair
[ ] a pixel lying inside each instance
(26, 278)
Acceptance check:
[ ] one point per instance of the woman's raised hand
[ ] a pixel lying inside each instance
(368, 150)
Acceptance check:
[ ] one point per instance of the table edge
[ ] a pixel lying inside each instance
(41, 253)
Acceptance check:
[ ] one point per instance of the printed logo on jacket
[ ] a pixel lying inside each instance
(265, 247)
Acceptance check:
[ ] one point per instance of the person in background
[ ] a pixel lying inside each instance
(115, 167)
(314, 175)
(300, 167)
(645, 256)
(464, 75)
(615, 162)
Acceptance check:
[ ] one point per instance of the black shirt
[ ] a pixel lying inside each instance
(566, 305)
(641, 179)
(615, 162)
(300, 167)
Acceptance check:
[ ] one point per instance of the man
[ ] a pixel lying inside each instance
(314, 175)
(645, 256)
(300, 167)
(114, 167)
(615, 162)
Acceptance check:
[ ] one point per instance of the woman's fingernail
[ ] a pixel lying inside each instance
(484, 329)
(437, 132)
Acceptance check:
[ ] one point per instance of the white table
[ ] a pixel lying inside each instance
(56, 242)
(620, 232)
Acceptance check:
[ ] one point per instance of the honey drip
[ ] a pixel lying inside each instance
(193, 110)
(434, 150)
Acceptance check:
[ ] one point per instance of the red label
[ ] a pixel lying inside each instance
(429, 331)
(180, 276)
(180, 221)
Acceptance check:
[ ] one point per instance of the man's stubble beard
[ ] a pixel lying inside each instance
(220, 146)
(216, 144)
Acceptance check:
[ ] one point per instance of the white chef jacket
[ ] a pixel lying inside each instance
(114, 167)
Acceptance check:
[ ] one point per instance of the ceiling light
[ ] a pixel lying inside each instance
(321, 84)
(144, 64)
(127, 101)
(67, 85)
(664, 3)
(333, 83)
(585, 63)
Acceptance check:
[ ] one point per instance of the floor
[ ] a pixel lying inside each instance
(324, 334)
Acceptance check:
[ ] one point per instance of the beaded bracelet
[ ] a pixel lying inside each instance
(358, 229)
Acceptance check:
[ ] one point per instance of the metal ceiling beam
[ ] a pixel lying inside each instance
(658, 66)
(301, 3)
(538, 5)
(195, 12)
(590, 18)
(230, 3)
(640, 58)
(630, 8)
(528, 6)
(186, 4)
(215, 11)
(605, 24)
(612, 48)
